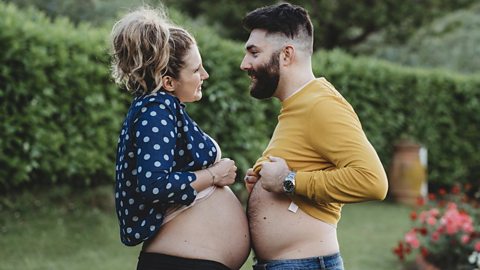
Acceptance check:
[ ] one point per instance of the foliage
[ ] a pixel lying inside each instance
(58, 107)
(60, 111)
(91, 11)
(338, 24)
(450, 42)
(445, 230)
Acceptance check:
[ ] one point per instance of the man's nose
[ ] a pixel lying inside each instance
(245, 65)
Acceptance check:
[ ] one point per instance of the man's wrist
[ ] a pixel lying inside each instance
(289, 183)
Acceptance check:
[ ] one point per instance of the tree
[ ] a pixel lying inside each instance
(449, 42)
(338, 24)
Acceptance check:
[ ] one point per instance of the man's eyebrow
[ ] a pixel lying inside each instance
(249, 47)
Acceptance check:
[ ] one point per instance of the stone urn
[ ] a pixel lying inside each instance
(407, 174)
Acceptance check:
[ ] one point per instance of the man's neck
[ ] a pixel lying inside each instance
(292, 83)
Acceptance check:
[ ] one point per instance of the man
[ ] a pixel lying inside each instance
(318, 157)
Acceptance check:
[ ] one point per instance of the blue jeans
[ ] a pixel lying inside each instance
(331, 262)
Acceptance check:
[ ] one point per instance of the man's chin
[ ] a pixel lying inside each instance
(257, 95)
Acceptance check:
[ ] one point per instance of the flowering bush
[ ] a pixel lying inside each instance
(445, 231)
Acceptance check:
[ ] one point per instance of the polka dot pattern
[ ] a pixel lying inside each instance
(158, 150)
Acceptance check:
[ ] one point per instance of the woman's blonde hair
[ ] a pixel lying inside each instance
(146, 47)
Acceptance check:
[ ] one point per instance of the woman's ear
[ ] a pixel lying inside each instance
(168, 83)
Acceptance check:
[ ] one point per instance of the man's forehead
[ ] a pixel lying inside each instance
(258, 38)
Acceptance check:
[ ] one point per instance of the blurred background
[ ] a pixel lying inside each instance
(409, 68)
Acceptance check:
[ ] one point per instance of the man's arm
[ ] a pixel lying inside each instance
(335, 133)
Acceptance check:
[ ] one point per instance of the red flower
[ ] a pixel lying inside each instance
(398, 250)
(421, 201)
(465, 238)
(444, 225)
(424, 252)
(423, 231)
(435, 236)
(455, 189)
(412, 239)
(477, 246)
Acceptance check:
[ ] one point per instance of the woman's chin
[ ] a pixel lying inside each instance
(198, 96)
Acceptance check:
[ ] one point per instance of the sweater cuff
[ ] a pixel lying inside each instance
(301, 180)
(304, 186)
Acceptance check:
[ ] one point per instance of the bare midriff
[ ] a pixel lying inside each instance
(214, 229)
(278, 233)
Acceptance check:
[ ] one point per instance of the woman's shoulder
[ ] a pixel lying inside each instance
(161, 100)
(159, 103)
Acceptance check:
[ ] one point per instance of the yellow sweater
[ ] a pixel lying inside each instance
(321, 138)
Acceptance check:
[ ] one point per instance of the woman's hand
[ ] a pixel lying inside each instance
(224, 172)
(250, 179)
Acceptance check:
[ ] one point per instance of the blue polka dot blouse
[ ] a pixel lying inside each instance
(158, 150)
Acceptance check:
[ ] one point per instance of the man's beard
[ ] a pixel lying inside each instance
(266, 78)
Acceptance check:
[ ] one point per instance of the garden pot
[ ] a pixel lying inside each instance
(407, 175)
(422, 264)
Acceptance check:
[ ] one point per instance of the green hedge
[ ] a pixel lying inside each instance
(60, 112)
(58, 106)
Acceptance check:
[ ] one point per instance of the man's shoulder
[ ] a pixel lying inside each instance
(324, 88)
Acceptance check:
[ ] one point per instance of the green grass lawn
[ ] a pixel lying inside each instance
(368, 232)
(64, 230)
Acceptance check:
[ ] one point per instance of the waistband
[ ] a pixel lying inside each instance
(148, 260)
(320, 262)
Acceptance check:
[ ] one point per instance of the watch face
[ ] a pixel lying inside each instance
(288, 186)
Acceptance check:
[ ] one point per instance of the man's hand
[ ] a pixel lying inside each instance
(250, 179)
(273, 173)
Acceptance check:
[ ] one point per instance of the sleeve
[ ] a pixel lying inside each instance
(156, 134)
(258, 164)
(358, 175)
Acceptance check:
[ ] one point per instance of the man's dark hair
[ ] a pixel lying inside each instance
(284, 18)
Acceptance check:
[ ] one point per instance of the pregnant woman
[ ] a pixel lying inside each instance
(172, 190)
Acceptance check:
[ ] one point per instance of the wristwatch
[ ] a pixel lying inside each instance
(289, 183)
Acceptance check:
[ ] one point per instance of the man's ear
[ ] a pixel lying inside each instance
(288, 55)
(168, 83)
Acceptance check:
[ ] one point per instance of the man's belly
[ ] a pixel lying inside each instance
(278, 233)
